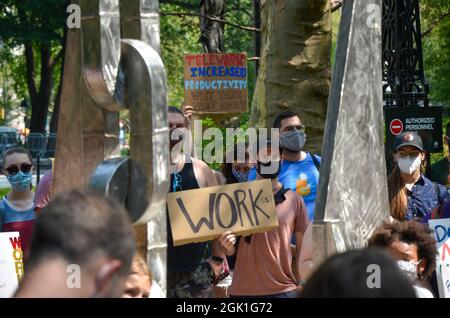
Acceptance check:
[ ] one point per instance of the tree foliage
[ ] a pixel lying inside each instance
(435, 23)
(32, 34)
(41, 23)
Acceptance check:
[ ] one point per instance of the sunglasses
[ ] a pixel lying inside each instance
(24, 167)
(404, 154)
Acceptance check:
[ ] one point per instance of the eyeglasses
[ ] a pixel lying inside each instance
(24, 167)
(404, 154)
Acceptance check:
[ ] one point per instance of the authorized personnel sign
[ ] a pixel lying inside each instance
(426, 121)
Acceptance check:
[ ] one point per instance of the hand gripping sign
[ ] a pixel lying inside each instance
(112, 64)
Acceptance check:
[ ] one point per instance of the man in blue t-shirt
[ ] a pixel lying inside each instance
(299, 169)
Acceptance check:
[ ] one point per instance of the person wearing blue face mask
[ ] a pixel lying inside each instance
(299, 169)
(237, 169)
(17, 208)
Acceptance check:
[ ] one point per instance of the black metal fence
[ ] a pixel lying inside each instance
(41, 145)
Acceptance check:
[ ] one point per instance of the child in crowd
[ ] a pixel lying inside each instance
(17, 207)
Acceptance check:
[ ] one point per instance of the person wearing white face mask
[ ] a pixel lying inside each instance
(411, 194)
(413, 247)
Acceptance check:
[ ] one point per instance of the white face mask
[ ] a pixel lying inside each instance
(409, 269)
(409, 165)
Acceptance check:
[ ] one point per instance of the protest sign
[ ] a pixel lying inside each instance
(203, 214)
(441, 229)
(216, 83)
(11, 266)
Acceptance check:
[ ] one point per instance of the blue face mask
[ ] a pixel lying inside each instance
(240, 176)
(20, 181)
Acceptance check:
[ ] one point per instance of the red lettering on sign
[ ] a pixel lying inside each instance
(445, 247)
(16, 243)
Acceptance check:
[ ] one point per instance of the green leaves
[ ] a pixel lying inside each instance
(435, 23)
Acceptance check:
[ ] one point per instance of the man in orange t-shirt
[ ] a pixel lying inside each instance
(263, 261)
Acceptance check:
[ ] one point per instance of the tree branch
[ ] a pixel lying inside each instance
(182, 14)
(435, 23)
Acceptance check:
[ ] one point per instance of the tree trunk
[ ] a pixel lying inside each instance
(57, 102)
(295, 67)
(257, 24)
(39, 106)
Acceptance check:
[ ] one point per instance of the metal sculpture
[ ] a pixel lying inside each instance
(104, 75)
(352, 198)
(211, 29)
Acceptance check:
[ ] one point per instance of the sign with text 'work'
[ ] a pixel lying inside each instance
(11, 265)
(203, 214)
(441, 229)
(216, 83)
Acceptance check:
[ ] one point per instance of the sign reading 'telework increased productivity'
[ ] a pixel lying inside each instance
(216, 83)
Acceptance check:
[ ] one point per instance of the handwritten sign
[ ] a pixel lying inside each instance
(441, 229)
(11, 266)
(216, 83)
(203, 214)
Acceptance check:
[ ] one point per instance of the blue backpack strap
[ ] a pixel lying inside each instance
(316, 162)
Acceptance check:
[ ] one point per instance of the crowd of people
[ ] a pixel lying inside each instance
(94, 234)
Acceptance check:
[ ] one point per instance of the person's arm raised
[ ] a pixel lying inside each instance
(203, 173)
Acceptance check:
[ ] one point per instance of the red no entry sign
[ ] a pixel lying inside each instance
(396, 127)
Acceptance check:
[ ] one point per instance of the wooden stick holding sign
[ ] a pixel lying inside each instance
(203, 214)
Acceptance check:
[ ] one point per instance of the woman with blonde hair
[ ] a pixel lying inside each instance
(411, 194)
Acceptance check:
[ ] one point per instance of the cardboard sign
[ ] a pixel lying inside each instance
(216, 83)
(11, 266)
(441, 229)
(426, 121)
(203, 214)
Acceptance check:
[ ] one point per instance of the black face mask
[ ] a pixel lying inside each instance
(273, 175)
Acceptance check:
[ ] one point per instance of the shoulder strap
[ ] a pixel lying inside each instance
(316, 162)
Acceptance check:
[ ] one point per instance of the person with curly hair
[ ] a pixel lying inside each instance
(413, 247)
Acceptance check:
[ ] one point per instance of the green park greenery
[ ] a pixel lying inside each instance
(39, 27)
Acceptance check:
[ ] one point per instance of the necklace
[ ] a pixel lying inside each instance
(177, 179)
